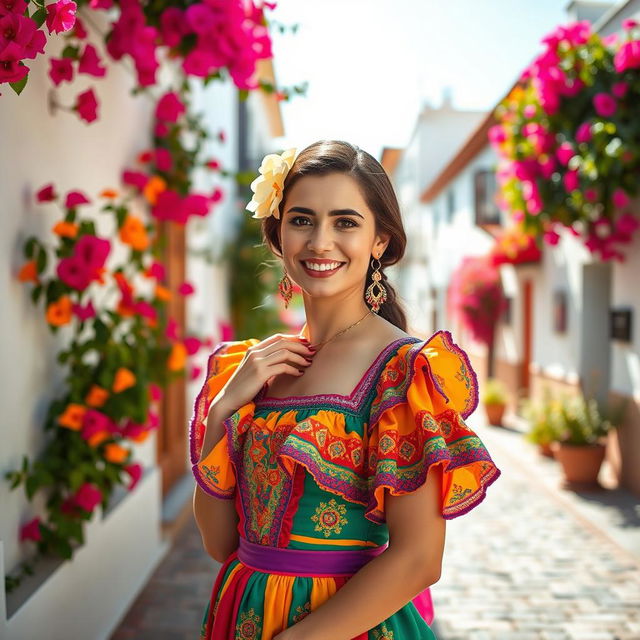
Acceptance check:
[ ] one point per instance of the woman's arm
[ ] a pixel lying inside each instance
(410, 564)
(216, 518)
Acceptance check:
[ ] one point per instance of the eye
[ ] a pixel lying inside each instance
(350, 223)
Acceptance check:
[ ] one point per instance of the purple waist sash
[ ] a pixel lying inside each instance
(301, 562)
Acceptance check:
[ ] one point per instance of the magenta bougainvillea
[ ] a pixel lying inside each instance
(568, 138)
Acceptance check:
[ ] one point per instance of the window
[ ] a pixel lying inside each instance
(486, 209)
(451, 204)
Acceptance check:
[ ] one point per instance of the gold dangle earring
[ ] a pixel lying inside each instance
(373, 298)
(285, 287)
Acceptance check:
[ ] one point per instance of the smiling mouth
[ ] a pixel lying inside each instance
(321, 270)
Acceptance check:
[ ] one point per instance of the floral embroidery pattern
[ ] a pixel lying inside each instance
(301, 612)
(249, 627)
(211, 473)
(329, 517)
(383, 633)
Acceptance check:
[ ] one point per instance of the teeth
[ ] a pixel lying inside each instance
(322, 267)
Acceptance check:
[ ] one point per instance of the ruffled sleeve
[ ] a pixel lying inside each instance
(423, 396)
(215, 473)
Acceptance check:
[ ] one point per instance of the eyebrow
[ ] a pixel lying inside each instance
(333, 212)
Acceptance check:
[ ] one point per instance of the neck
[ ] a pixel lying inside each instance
(327, 316)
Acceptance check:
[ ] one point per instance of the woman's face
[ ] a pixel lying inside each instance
(326, 220)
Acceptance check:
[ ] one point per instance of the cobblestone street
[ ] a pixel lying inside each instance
(527, 564)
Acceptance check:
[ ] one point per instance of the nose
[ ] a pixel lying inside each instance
(320, 239)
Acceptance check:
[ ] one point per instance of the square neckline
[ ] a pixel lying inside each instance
(351, 400)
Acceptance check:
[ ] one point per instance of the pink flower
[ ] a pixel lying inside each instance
(12, 68)
(145, 309)
(547, 165)
(551, 237)
(46, 193)
(564, 153)
(583, 133)
(154, 420)
(620, 198)
(532, 197)
(213, 164)
(163, 159)
(93, 250)
(88, 496)
(169, 206)
(135, 473)
(172, 330)
(199, 62)
(195, 373)
(23, 32)
(31, 530)
(75, 198)
(619, 89)
(101, 4)
(155, 392)
(192, 345)
(186, 289)
(169, 107)
(13, 6)
(60, 70)
(74, 272)
(629, 24)
(94, 422)
(604, 104)
(570, 180)
(216, 195)
(135, 178)
(627, 223)
(591, 194)
(87, 105)
(84, 313)
(530, 111)
(161, 129)
(157, 271)
(201, 18)
(79, 30)
(90, 62)
(172, 26)
(627, 56)
(196, 204)
(61, 16)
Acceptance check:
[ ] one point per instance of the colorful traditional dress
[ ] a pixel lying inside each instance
(309, 475)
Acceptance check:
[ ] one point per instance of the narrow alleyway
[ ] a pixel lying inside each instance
(529, 563)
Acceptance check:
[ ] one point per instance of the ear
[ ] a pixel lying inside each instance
(380, 244)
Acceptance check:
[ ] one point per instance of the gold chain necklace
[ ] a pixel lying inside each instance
(320, 344)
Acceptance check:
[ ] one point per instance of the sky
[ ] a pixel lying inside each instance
(372, 64)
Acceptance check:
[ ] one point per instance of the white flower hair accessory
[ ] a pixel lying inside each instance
(267, 187)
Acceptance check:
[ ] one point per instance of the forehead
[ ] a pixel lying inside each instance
(323, 193)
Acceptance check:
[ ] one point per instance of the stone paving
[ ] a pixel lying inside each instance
(525, 564)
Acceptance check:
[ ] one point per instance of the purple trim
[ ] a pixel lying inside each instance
(476, 498)
(301, 562)
(352, 401)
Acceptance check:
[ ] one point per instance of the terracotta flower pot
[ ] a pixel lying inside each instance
(494, 412)
(580, 463)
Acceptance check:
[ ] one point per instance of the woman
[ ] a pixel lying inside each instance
(327, 462)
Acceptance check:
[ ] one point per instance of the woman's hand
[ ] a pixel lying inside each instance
(280, 353)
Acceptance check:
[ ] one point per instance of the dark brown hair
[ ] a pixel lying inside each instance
(337, 156)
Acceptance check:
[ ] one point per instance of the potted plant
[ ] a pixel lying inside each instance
(543, 428)
(580, 443)
(494, 398)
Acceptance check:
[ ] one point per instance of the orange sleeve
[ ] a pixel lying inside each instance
(215, 473)
(417, 420)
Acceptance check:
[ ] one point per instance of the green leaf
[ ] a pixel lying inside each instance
(35, 293)
(30, 247)
(20, 84)
(71, 52)
(39, 16)
(41, 261)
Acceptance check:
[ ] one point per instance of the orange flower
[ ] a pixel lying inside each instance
(154, 187)
(97, 396)
(124, 379)
(115, 453)
(98, 437)
(60, 312)
(65, 229)
(134, 234)
(72, 417)
(109, 193)
(162, 293)
(29, 272)
(141, 437)
(178, 357)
